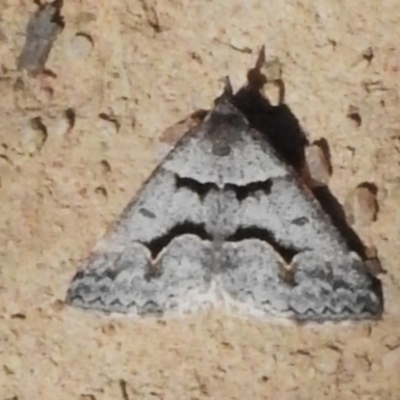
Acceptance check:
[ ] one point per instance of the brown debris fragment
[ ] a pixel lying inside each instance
(372, 261)
(361, 205)
(172, 134)
(41, 32)
(318, 164)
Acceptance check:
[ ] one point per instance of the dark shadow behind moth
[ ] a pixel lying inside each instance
(225, 219)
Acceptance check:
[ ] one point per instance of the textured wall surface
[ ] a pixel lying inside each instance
(77, 141)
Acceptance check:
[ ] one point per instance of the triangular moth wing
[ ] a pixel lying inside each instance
(281, 252)
(156, 258)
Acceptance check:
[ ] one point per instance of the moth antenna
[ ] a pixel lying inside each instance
(227, 93)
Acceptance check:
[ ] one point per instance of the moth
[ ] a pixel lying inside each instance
(224, 219)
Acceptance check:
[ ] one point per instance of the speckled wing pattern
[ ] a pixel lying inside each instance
(223, 217)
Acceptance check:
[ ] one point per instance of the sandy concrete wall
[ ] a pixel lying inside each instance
(130, 69)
